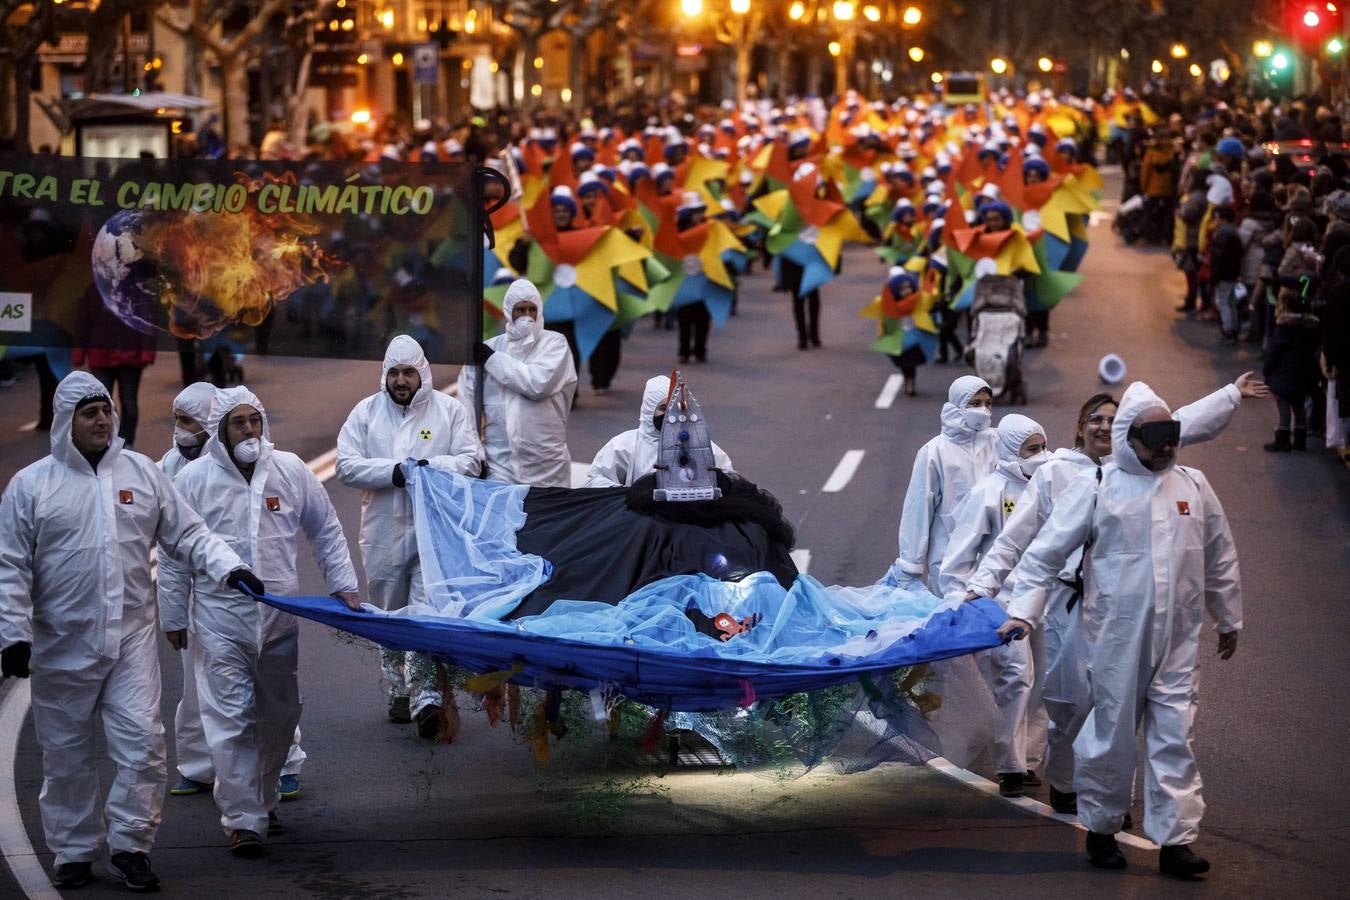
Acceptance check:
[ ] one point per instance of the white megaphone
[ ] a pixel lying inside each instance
(1111, 369)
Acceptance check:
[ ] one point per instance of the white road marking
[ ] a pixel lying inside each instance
(1026, 804)
(14, 844)
(889, 391)
(839, 478)
(579, 471)
(802, 560)
(15, 847)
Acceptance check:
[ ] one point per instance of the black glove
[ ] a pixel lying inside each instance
(14, 660)
(481, 353)
(399, 480)
(246, 583)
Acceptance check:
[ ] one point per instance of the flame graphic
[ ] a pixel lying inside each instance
(216, 270)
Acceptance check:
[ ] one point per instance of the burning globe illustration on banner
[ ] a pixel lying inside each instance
(194, 274)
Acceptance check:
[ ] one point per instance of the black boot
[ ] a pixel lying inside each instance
(1011, 784)
(1300, 439)
(1178, 861)
(1063, 802)
(1103, 852)
(1281, 442)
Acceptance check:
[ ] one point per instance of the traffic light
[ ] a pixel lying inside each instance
(1314, 25)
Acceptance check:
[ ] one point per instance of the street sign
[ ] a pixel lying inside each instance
(426, 64)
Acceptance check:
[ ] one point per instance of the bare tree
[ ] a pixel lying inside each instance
(199, 22)
(531, 20)
(24, 28)
(585, 19)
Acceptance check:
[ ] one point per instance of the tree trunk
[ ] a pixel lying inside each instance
(234, 87)
(743, 49)
(297, 114)
(103, 48)
(576, 70)
(23, 101)
(529, 49)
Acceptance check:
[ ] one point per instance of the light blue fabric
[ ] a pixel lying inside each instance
(809, 637)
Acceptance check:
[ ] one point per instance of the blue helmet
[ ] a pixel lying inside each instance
(1036, 164)
(902, 284)
(999, 207)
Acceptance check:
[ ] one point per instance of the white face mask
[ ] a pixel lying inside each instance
(520, 329)
(977, 417)
(247, 452)
(184, 438)
(1032, 463)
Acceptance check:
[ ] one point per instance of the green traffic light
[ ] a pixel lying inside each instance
(1335, 45)
(1279, 61)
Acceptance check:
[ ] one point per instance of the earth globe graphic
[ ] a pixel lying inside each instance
(125, 272)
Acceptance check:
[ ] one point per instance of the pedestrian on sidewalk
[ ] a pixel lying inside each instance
(1225, 269)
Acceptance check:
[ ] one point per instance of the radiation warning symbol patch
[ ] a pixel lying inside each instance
(1009, 506)
(426, 434)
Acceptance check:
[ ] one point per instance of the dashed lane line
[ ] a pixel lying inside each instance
(844, 472)
(889, 391)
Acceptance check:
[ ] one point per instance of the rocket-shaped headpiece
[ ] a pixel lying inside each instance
(685, 469)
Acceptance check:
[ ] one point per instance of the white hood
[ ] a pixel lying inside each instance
(1013, 431)
(73, 388)
(404, 351)
(227, 401)
(522, 289)
(1137, 398)
(954, 425)
(653, 395)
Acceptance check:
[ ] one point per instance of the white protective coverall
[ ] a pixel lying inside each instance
(945, 469)
(378, 435)
(631, 454)
(246, 652)
(979, 519)
(1060, 685)
(192, 754)
(1161, 554)
(75, 583)
(530, 383)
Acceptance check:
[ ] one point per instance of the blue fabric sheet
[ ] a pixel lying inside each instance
(809, 637)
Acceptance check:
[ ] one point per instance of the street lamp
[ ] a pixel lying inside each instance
(740, 7)
(835, 49)
(843, 10)
(1262, 49)
(936, 78)
(1195, 71)
(872, 13)
(1178, 51)
(1157, 67)
(1045, 64)
(796, 10)
(911, 16)
(916, 54)
(998, 65)
(691, 8)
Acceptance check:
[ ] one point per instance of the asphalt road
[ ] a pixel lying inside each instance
(384, 814)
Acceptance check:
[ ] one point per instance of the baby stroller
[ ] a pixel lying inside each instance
(999, 314)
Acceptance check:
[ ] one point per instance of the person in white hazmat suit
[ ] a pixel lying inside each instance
(259, 499)
(945, 469)
(1159, 555)
(406, 419)
(979, 519)
(631, 454)
(530, 381)
(75, 593)
(191, 412)
(1059, 689)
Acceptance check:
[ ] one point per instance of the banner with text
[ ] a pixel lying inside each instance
(291, 258)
